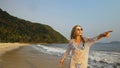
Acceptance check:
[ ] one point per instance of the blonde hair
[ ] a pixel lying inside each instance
(73, 35)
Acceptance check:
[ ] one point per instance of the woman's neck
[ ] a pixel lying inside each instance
(78, 39)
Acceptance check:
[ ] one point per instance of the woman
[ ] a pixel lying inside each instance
(79, 46)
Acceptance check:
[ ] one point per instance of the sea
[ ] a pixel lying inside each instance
(101, 55)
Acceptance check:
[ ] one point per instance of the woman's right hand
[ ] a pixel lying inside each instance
(107, 33)
(61, 63)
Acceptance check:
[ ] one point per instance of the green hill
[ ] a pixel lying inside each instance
(13, 29)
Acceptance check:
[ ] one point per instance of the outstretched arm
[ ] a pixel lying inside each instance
(105, 34)
(95, 39)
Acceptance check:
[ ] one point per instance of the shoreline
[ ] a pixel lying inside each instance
(6, 47)
(28, 57)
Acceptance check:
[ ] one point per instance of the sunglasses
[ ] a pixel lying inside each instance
(79, 29)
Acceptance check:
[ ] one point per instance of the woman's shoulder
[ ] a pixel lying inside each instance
(86, 38)
(71, 41)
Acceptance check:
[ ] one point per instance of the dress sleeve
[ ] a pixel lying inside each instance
(94, 39)
(67, 51)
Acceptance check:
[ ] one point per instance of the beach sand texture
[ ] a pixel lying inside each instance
(5, 47)
(27, 57)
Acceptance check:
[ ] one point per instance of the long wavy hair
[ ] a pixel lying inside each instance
(73, 35)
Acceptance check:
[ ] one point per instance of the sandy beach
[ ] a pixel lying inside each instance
(5, 47)
(27, 57)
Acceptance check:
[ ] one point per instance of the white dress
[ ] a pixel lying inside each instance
(79, 57)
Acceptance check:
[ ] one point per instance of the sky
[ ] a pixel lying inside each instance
(95, 16)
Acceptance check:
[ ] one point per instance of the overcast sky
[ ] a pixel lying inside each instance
(95, 16)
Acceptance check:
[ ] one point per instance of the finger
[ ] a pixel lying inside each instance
(110, 31)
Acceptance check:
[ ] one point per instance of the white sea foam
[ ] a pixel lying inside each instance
(99, 58)
(50, 50)
(109, 57)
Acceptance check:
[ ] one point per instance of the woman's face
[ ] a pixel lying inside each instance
(78, 31)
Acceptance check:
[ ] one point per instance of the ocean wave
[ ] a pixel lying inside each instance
(109, 57)
(50, 50)
(96, 56)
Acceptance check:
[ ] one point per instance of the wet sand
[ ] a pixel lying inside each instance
(5, 47)
(28, 57)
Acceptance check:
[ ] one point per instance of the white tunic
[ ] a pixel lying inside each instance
(79, 57)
